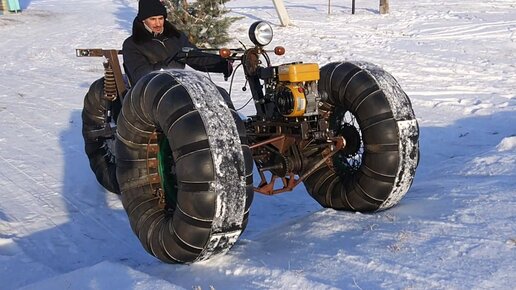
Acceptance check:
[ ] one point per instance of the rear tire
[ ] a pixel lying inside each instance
(210, 167)
(371, 111)
(100, 150)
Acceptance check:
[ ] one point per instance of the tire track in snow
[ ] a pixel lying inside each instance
(395, 270)
(46, 198)
(467, 31)
(44, 192)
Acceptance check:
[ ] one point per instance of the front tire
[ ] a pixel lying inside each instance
(202, 207)
(371, 111)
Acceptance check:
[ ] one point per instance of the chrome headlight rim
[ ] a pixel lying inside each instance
(261, 33)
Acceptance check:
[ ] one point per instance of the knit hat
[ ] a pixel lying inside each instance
(149, 8)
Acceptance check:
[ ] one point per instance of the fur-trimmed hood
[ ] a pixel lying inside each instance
(141, 35)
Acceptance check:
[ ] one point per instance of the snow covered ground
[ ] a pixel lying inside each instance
(455, 229)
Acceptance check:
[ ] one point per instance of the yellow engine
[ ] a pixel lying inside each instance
(297, 94)
(299, 72)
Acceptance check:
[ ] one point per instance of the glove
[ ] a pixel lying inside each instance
(229, 69)
(159, 65)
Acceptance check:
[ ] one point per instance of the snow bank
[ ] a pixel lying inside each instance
(507, 144)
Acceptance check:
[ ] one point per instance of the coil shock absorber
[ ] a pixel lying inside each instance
(110, 92)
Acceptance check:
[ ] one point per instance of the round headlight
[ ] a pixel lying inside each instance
(260, 33)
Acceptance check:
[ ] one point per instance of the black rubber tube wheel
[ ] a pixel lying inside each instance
(100, 150)
(212, 166)
(370, 110)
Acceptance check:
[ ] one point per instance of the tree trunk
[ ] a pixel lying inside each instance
(384, 6)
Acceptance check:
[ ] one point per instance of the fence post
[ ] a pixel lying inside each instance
(282, 12)
(384, 6)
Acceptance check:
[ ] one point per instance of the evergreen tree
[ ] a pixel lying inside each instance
(204, 21)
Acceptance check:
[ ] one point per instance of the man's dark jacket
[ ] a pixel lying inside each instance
(143, 52)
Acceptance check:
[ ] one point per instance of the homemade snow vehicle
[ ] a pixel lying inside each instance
(182, 158)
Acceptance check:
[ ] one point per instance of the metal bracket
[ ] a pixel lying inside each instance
(290, 181)
(111, 56)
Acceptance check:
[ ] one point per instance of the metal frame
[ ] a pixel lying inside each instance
(111, 64)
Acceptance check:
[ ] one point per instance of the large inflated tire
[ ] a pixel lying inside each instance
(99, 149)
(210, 166)
(370, 110)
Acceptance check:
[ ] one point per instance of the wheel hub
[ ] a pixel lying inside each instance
(353, 139)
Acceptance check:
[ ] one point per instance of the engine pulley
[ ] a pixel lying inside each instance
(291, 100)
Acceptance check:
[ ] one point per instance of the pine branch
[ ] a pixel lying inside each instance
(204, 21)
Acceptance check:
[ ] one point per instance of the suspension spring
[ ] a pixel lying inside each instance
(110, 92)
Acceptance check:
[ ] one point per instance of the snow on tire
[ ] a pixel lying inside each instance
(210, 164)
(97, 145)
(376, 168)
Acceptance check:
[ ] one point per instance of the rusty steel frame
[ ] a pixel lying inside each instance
(290, 181)
(281, 142)
(111, 56)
